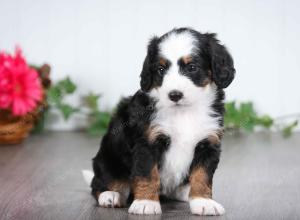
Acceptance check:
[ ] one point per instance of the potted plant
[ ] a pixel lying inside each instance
(22, 96)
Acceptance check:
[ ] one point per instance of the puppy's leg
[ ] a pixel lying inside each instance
(146, 194)
(205, 162)
(145, 181)
(113, 194)
(117, 194)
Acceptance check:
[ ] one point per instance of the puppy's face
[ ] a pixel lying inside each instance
(183, 67)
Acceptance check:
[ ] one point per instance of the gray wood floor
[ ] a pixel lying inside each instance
(258, 178)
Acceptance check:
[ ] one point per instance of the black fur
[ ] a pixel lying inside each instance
(124, 143)
(149, 67)
(125, 151)
(221, 62)
(207, 156)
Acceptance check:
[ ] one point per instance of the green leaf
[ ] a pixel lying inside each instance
(247, 116)
(103, 118)
(265, 121)
(54, 95)
(248, 124)
(67, 110)
(96, 129)
(231, 109)
(287, 130)
(67, 86)
(247, 109)
(91, 101)
(99, 122)
(244, 117)
(231, 117)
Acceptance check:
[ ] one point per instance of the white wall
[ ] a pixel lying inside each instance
(102, 44)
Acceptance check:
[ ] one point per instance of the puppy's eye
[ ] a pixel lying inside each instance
(191, 67)
(161, 70)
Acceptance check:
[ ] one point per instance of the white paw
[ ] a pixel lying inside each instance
(145, 207)
(201, 206)
(109, 199)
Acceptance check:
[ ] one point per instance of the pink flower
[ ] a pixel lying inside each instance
(20, 86)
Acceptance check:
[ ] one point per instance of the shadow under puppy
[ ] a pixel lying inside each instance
(165, 139)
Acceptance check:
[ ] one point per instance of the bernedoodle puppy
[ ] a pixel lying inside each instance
(166, 138)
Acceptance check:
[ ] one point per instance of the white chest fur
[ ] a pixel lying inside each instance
(186, 126)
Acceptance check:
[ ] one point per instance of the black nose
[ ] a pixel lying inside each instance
(175, 95)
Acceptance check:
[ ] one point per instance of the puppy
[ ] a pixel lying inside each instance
(165, 139)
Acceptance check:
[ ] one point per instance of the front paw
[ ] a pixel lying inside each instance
(110, 199)
(202, 206)
(145, 207)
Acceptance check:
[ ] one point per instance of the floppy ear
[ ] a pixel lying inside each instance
(221, 63)
(146, 76)
(147, 72)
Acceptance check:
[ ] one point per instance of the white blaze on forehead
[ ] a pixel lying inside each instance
(177, 45)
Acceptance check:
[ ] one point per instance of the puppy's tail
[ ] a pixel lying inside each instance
(88, 176)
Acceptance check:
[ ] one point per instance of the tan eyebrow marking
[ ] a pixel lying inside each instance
(162, 62)
(187, 59)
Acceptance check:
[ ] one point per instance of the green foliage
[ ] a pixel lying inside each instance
(98, 123)
(40, 124)
(67, 110)
(244, 117)
(287, 130)
(58, 92)
(98, 120)
(54, 95)
(66, 86)
(265, 121)
(91, 101)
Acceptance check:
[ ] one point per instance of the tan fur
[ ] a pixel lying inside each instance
(216, 137)
(162, 62)
(187, 59)
(199, 183)
(118, 186)
(152, 133)
(206, 82)
(147, 187)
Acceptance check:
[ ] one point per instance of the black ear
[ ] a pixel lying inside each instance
(146, 76)
(221, 63)
(147, 72)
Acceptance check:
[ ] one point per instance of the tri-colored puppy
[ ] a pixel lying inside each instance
(165, 139)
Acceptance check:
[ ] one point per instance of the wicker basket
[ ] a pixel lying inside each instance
(13, 130)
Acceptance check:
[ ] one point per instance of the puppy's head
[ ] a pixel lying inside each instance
(184, 66)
